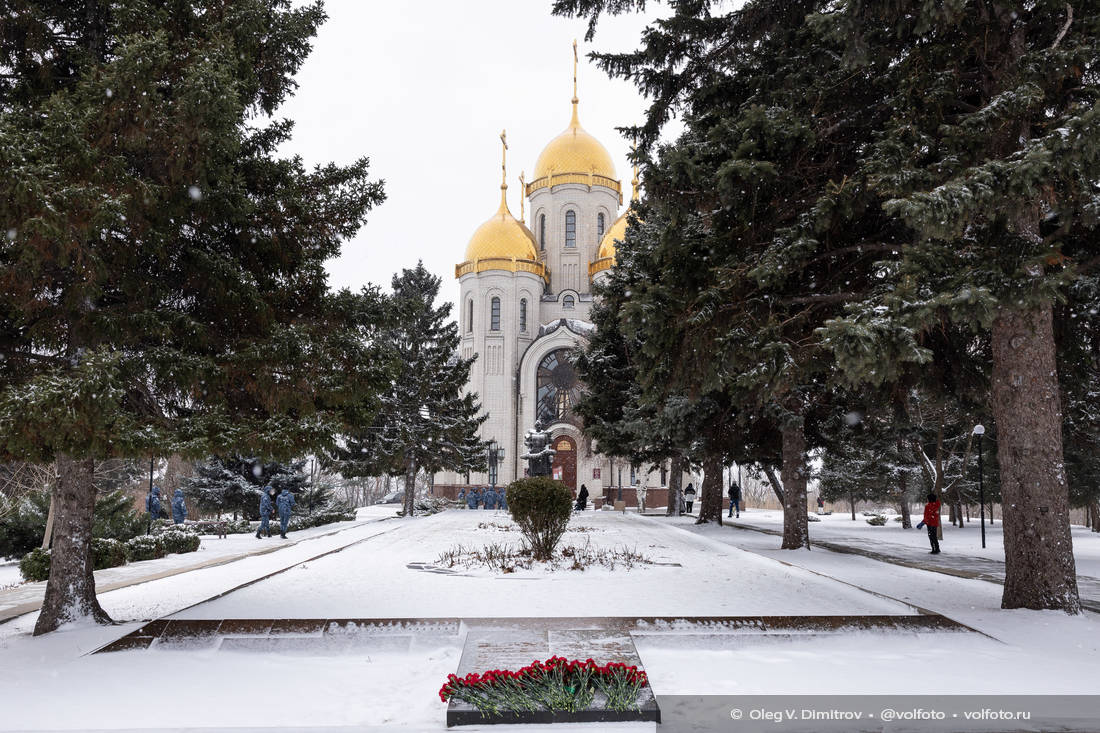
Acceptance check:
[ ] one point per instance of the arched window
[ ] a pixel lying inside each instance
(469, 316)
(523, 314)
(558, 388)
(664, 475)
(633, 476)
(570, 228)
(599, 226)
(568, 302)
(542, 231)
(494, 314)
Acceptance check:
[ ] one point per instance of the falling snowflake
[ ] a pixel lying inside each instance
(195, 193)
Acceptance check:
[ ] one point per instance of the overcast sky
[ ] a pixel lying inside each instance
(424, 89)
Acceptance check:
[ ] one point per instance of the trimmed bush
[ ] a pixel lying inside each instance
(541, 507)
(108, 553)
(877, 520)
(35, 565)
(178, 542)
(145, 547)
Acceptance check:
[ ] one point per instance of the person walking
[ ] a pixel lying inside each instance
(179, 509)
(471, 498)
(502, 499)
(735, 498)
(152, 503)
(582, 499)
(285, 503)
(490, 498)
(932, 521)
(689, 497)
(266, 505)
(820, 504)
(462, 497)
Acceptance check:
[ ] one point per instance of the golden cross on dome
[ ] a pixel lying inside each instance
(522, 195)
(575, 71)
(504, 159)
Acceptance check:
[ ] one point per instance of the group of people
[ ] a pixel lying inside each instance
(179, 508)
(734, 494)
(486, 497)
(284, 502)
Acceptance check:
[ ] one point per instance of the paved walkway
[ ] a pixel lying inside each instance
(961, 566)
(27, 597)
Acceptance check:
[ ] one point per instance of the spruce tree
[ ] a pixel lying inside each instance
(162, 283)
(235, 483)
(990, 155)
(424, 421)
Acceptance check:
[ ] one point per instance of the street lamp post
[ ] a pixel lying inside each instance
(979, 430)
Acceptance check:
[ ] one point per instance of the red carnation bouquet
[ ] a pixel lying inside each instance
(556, 684)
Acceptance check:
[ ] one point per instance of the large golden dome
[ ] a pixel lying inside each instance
(502, 236)
(574, 151)
(574, 157)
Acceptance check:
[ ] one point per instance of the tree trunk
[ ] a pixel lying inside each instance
(777, 487)
(1039, 566)
(710, 502)
(675, 482)
(70, 590)
(410, 488)
(47, 536)
(903, 489)
(852, 504)
(1094, 515)
(796, 533)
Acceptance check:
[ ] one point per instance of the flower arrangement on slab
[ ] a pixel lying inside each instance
(556, 684)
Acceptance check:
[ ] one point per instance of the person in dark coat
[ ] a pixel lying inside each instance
(471, 498)
(735, 498)
(179, 509)
(266, 505)
(502, 499)
(932, 521)
(582, 499)
(462, 495)
(152, 503)
(490, 498)
(285, 503)
(689, 497)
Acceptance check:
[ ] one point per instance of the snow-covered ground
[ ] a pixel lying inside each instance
(700, 577)
(14, 593)
(965, 541)
(46, 683)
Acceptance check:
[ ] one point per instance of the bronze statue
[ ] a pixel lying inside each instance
(539, 454)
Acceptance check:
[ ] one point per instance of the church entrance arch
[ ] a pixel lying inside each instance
(564, 467)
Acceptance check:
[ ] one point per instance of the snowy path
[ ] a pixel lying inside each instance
(958, 559)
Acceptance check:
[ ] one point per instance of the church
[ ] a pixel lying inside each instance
(525, 294)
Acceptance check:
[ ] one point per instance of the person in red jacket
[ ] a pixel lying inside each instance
(932, 521)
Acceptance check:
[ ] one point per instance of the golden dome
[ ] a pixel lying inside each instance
(574, 151)
(605, 258)
(502, 237)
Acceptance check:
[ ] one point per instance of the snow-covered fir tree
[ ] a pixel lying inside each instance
(425, 421)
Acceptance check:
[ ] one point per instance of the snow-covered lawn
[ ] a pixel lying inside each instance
(212, 550)
(46, 683)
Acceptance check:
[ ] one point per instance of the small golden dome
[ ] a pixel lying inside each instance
(617, 232)
(574, 151)
(502, 237)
